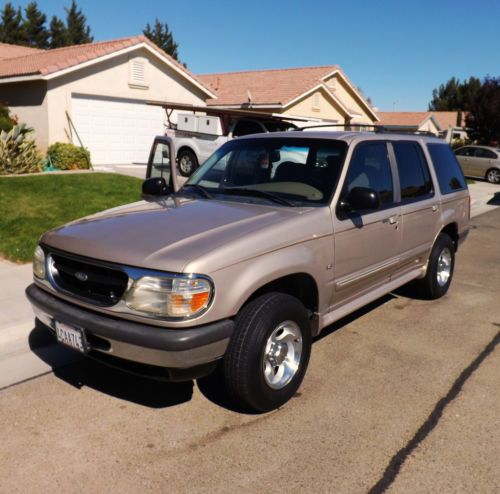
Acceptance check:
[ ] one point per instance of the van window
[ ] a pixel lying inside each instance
(448, 170)
(414, 176)
(247, 127)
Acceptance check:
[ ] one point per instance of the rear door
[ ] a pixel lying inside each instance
(367, 243)
(483, 161)
(420, 208)
(465, 157)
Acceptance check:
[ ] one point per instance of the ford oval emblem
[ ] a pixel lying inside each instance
(81, 276)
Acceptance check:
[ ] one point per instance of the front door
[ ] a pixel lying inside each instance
(367, 243)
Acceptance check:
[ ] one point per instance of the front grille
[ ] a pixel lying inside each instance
(99, 284)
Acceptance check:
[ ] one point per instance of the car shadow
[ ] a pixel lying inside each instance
(85, 372)
(158, 394)
(495, 200)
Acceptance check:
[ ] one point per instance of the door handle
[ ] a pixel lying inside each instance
(393, 220)
(434, 208)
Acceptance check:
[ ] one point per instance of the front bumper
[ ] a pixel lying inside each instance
(171, 348)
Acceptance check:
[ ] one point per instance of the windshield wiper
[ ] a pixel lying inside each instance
(204, 192)
(256, 193)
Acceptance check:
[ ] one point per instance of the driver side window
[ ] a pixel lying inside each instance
(370, 168)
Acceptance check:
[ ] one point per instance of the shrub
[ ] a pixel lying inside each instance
(6, 121)
(18, 153)
(67, 156)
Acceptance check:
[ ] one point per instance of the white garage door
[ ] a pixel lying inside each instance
(116, 131)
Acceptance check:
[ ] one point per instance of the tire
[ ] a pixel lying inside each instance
(271, 329)
(187, 162)
(493, 176)
(439, 268)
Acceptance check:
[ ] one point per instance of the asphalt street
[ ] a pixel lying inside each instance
(402, 396)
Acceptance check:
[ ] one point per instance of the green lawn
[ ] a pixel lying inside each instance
(31, 205)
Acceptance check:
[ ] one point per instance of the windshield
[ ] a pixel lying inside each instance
(295, 169)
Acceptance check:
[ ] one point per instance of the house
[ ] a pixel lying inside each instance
(452, 124)
(314, 92)
(95, 94)
(422, 121)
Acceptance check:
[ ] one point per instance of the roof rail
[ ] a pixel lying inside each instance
(350, 126)
(379, 129)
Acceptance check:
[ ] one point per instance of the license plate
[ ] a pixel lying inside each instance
(70, 336)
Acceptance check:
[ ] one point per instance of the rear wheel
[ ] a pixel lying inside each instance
(439, 269)
(187, 162)
(269, 352)
(493, 176)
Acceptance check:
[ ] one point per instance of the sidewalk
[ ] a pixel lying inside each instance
(17, 338)
(17, 361)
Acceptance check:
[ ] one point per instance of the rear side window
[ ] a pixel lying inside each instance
(485, 153)
(448, 170)
(413, 171)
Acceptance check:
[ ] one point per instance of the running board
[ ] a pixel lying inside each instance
(335, 315)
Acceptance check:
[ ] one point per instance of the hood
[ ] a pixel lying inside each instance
(168, 235)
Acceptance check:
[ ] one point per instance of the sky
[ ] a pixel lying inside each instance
(397, 52)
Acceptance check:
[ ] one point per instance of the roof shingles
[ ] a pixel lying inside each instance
(264, 87)
(18, 61)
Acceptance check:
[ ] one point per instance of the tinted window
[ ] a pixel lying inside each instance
(448, 170)
(247, 127)
(464, 152)
(413, 171)
(370, 168)
(485, 153)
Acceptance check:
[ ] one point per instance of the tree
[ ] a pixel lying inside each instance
(162, 37)
(11, 25)
(483, 119)
(77, 31)
(454, 95)
(6, 121)
(57, 32)
(35, 32)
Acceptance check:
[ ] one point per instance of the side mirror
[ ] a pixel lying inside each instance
(361, 199)
(156, 186)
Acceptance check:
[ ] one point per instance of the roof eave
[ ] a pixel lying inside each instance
(59, 73)
(354, 90)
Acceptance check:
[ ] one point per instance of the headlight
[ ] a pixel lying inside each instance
(39, 263)
(169, 297)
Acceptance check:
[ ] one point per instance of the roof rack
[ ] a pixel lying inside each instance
(379, 129)
(350, 126)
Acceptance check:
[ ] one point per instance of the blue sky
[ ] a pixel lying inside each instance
(396, 51)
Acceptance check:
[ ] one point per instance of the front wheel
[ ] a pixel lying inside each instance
(439, 268)
(187, 162)
(493, 176)
(268, 354)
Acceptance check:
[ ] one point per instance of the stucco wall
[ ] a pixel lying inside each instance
(429, 126)
(326, 108)
(111, 78)
(28, 101)
(344, 94)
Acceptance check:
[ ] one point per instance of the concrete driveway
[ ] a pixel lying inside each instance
(400, 397)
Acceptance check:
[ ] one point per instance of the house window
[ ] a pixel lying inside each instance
(316, 102)
(138, 72)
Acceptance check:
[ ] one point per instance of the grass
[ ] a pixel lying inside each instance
(31, 205)
(470, 181)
